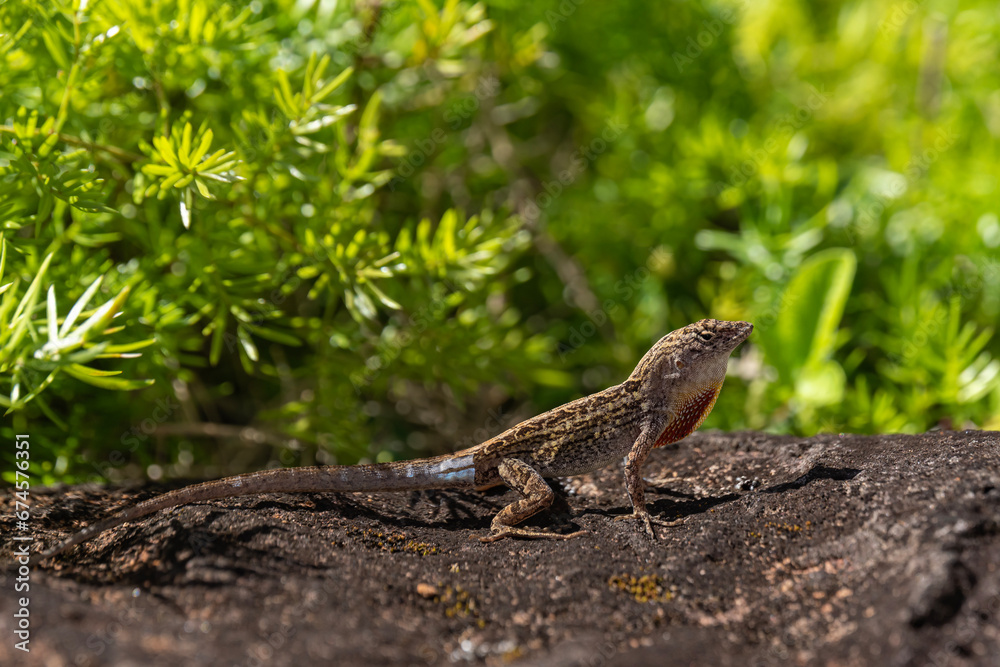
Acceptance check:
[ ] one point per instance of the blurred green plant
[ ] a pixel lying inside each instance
(800, 339)
(335, 231)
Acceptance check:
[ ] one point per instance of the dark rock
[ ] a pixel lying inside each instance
(833, 550)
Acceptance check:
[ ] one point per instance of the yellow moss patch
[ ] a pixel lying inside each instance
(782, 526)
(647, 588)
(390, 542)
(458, 603)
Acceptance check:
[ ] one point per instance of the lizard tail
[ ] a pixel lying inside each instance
(450, 471)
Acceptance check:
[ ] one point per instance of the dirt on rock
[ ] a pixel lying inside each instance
(832, 550)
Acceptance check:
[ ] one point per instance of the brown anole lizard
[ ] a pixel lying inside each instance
(667, 396)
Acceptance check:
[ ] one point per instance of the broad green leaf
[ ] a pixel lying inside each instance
(806, 321)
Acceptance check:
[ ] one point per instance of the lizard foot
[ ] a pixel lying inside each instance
(510, 531)
(649, 520)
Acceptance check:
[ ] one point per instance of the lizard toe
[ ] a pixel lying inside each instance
(529, 534)
(649, 521)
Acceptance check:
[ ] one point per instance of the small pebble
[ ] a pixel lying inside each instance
(426, 590)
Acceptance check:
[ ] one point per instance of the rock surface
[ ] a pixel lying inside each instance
(833, 550)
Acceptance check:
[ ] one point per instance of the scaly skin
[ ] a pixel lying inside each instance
(667, 396)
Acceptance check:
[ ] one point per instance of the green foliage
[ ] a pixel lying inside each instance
(824, 172)
(366, 230)
(799, 338)
(33, 362)
(178, 164)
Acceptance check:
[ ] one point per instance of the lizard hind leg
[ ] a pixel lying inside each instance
(536, 496)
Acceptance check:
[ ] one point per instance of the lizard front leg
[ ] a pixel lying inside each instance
(537, 496)
(634, 484)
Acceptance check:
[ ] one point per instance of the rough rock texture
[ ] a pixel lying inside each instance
(833, 550)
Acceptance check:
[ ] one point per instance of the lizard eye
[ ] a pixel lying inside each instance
(706, 336)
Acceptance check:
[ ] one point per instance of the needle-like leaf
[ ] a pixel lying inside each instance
(79, 306)
(51, 315)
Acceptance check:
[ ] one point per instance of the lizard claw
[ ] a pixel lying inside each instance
(648, 519)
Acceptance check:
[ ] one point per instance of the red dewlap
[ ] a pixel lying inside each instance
(694, 411)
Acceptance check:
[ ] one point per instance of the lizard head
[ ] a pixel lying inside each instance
(704, 347)
(694, 354)
(684, 371)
